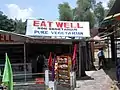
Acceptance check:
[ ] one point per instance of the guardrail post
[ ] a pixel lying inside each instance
(47, 78)
(73, 80)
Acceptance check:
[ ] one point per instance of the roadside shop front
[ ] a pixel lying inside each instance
(67, 31)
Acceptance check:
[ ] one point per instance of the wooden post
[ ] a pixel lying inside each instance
(113, 50)
(79, 65)
(83, 59)
(25, 60)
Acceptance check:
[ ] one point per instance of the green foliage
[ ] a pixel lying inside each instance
(5, 23)
(84, 11)
(20, 26)
(99, 12)
(85, 5)
(90, 17)
(110, 4)
(11, 25)
(65, 12)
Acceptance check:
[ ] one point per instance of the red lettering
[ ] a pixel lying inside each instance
(43, 24)
(10, 38)
(78, 25)
(67, 25)
(74, 25)
(71, 25)
(5, 38)
(1, 37)
(59, 24)
(35, 23)
(50, 23)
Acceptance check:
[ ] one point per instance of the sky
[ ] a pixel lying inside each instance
(26, 9)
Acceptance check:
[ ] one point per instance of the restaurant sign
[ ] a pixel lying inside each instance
(57, 28)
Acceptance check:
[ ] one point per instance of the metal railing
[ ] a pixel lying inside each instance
(27, 80)
(20, 73)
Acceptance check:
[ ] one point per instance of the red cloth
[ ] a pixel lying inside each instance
(74, 55)
(50, 62)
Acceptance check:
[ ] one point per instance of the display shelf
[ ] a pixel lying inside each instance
(62, 72)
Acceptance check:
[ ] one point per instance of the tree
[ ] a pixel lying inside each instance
(5, 23)
(110, 4)
(65, 12)
(99, 12)
(83, 11)
(86, 4)
(11, 25)
(20, 27)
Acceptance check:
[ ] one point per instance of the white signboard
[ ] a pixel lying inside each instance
(57, 28)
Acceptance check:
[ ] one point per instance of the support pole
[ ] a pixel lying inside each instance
(108, 49)
(79, 61)
(83, 59)
(25, 61)
(112, 47)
